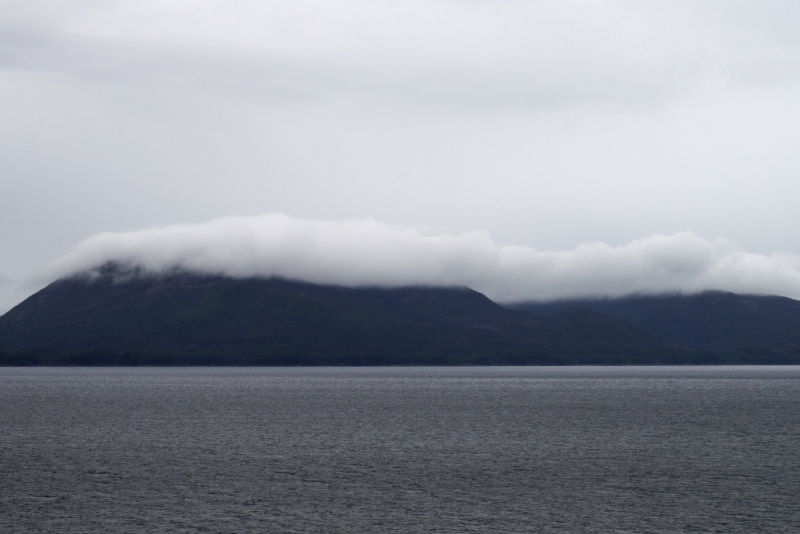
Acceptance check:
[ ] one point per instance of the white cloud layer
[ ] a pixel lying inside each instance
(486, 53)
(547, 124)
(371, 253)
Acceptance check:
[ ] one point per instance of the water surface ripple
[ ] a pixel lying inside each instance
(499, 449)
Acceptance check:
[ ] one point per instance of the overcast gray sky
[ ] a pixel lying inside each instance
(545, 125)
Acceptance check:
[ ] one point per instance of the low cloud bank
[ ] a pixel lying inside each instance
(371, 253)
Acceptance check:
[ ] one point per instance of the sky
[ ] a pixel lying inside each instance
(663, 133)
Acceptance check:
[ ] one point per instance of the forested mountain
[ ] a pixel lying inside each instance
(189, 319)
(118, 318)
(713, 320)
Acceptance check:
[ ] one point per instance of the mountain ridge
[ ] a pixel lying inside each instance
(715, 320)
(114, 317)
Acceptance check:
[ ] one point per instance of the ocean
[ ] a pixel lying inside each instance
(400, 449)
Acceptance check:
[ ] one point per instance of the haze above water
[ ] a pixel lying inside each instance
(400, 449)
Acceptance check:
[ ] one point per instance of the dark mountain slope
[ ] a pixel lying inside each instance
(189, 319)
(712, 320)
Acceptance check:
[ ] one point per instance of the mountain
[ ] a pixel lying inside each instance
(123, 318)
(715, 320)
(118, 317)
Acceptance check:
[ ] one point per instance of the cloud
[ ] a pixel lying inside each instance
(504, 53)
(5, 280)
(371, 253)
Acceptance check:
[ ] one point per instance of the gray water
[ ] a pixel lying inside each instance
(498, 449)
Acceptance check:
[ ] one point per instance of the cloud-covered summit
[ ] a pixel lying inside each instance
(371, 253)
(544, 123)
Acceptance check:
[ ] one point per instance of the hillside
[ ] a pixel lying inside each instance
(189, 319)
(715, 320)
(124, 318)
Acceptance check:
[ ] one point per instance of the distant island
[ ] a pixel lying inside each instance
(118, 318)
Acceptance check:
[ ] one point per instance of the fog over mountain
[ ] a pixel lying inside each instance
(545, 124)
(371, 253)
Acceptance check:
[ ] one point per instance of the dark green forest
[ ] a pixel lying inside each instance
(187, 319)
